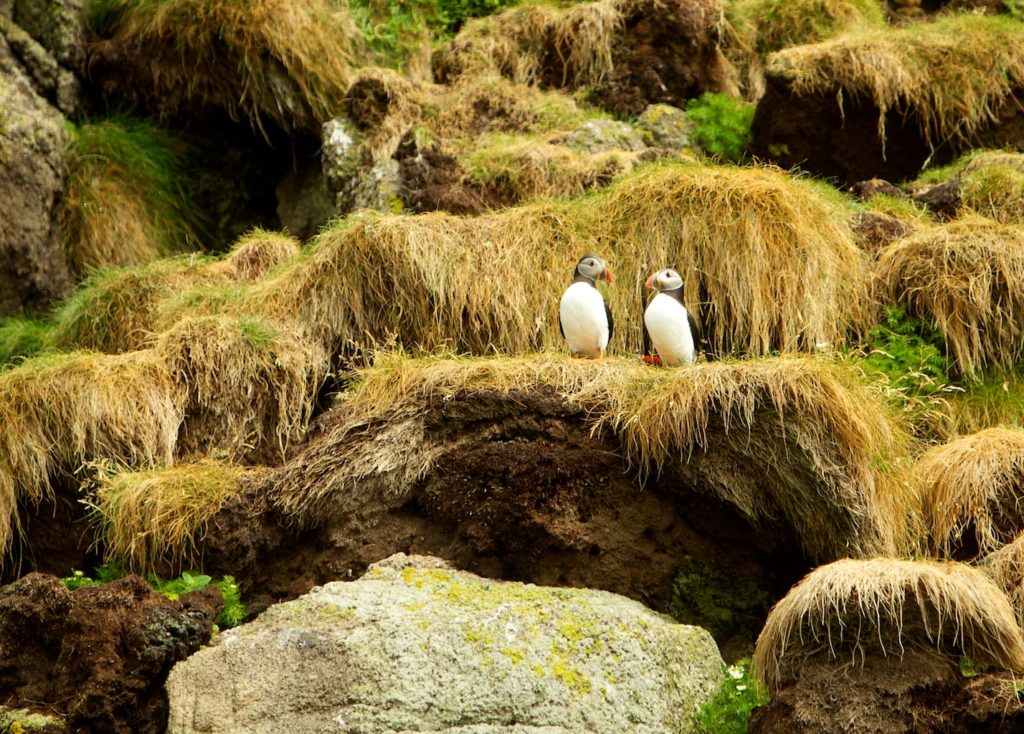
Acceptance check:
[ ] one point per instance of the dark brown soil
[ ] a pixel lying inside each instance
(813, 133)
(433, 180)
(875, 231)
(524, 493)
(97, 657)
(922, 693)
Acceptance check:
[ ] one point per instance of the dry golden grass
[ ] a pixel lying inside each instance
(952, 74)
(250, 385)
(285, 61)
(258, 252)
(852, 609)
(973, 485)
(1006, 567)
(810, 440)
(160, 516)
(968, 277)
(59, 412)
(992, 184)
(769, 257)
(527, 167)
(771, 25)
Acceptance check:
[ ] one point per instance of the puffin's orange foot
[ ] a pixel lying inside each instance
(652, 359)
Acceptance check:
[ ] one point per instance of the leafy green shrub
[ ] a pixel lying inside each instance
(730, 709)
(232, 615)
(456, 12)
(721, 125)
(909, 351)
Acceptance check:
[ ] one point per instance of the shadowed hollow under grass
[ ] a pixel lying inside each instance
(854, 608)
(816, 439)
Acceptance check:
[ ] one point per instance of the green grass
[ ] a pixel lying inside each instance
(907, 350)
(729, 711)
(20, 338)
(123, 199)
(721, 125)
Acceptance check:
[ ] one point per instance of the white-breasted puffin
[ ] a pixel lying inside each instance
(583, 317)
(671, 328)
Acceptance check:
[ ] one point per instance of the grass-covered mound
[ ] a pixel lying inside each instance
(1006, 567)
(952, 74)
(119, 309)
(985, 182)
(123, 203)
(768, 262)
(263, 59)
(970, 491)
(796, 440)
(968, 278)
(160, 516)
(772, 25)
(853, 609)
(59, 412)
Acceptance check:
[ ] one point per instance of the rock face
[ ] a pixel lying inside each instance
(665, 126)
(597, 136)
(33, 268)
(415, 646)
(96, 655)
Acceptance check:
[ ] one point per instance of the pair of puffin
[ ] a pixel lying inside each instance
(586, 321)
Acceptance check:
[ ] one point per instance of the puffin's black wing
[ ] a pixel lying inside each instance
(561, 329)
(698, 342)
(611, 321)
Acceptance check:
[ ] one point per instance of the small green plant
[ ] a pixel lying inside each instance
(232, 615)
(396, 29)
(722, 604)
(730, 709)
(456, 12)
(908, 350)
(721, 125)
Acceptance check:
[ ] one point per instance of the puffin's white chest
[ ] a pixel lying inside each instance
(583, 319)
(667, 323)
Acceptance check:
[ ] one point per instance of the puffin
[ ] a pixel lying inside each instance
(583, 316)
(669, 325)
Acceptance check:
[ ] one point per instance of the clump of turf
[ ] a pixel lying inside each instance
(1006, 567)
(771, 25)
(952, 74)
(813, 434)
(57, 412)
(768, 262)
(264, 59)
(123, 202)
(854, 608)
(968, 278)
(250, 384)
(153, 517)
(970, 491)
(257, 253)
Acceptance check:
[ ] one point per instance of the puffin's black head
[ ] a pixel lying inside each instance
(592, 268)
(665, 280)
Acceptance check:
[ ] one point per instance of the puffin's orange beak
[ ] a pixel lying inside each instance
(607, 274)
(652, 282)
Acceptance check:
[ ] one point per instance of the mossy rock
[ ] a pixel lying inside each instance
(418, 646)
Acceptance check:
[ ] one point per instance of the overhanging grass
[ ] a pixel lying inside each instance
(952, 74)
(156, 516)
(973, 485)
(808, 440)
(771, 25)
(58, 412)
(123, 200)
(768, 257)
(968, 278)
(884, 606)
(285, 61)
(1006, 567)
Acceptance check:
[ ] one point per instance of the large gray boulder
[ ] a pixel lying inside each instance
(33, 267)
(415, 646)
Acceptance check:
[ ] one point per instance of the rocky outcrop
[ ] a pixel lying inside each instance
(417, 646)
(99, 655)
(33, 267)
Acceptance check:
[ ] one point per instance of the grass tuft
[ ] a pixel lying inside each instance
(123, 202)
(772, 25)
(21, 338)
(952, 74)
(967, 277)
(883, 606)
